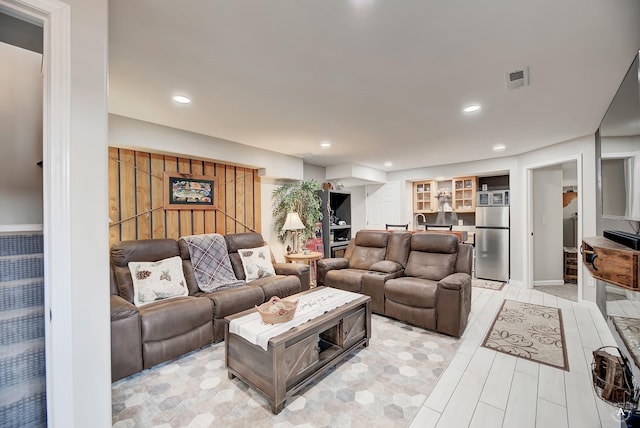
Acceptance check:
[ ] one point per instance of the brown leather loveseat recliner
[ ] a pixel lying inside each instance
(144, 336)
(371, 259)
(422, 278)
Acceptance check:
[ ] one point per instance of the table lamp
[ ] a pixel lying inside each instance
(293, 223)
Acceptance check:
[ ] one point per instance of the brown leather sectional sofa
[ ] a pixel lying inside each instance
(422, 278)
(144, 336)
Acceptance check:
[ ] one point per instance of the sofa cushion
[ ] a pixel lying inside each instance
(398, 247)
(386, 266)
(345, 279)
(278, 285)
(433, 256)
(256, 263)
(170, 318)
(143, 250)
(372, 238)
(431, 266)
(233, 300)
(364, 257)
(369, 247)
(124, 282)
(411, 291)
(238, 241)
(153, 281)
(434, 243)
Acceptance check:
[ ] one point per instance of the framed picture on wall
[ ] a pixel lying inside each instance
(189, 192)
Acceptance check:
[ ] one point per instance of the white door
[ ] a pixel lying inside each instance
(384, 204)
(547, 226)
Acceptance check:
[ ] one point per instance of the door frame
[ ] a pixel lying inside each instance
(528, 191)
(55, 18)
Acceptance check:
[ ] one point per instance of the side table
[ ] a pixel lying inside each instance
(310, 258)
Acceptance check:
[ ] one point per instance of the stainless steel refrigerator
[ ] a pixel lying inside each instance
(492, 243)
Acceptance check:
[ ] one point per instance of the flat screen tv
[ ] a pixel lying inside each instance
(620, 150)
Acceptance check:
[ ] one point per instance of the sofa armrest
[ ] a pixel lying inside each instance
(290, 268)
(325, 265)
(386, 266)
(126, 340)
(335, 263)
(453, 303)
(121, 309)
(300, 270)
(455, 281)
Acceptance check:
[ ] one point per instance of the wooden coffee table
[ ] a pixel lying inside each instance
(301, 354)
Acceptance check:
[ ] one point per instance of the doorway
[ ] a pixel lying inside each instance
(554, 219)
(55, 19)
(21, 241)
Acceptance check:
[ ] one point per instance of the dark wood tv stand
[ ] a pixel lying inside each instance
(611, 262)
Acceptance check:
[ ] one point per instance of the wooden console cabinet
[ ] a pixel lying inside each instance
(611, 262)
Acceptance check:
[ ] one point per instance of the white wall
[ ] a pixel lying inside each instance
(358, 209)
(80, 322)
(504, 165)
(88, 390)
(21, 137)
(583, 148)
(268, 233)
(132, 133)
(314, 172)
(516, 167)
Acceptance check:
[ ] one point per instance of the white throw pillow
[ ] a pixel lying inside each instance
(159, 280)
(256, 263)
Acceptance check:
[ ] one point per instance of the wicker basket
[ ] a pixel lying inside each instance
(612, 379)
(277, 311)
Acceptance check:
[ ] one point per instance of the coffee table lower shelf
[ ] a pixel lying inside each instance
(300, 355)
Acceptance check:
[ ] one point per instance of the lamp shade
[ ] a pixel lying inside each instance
(293, 222)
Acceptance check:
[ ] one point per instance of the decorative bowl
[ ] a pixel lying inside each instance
(277, 311)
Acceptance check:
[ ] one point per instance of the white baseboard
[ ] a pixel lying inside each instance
(21, 228)
(548, 282)
(516, 282)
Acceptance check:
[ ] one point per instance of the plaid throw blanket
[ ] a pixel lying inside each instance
(210, 261)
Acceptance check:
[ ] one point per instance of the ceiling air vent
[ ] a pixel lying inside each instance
(517, 79)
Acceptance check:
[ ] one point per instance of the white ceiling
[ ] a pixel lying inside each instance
(383, 80)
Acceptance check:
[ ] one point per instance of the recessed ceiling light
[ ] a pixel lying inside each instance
(472, 108)
(325, 144)
(361, 2)
(387, 163)
(499, 147)
(181, 99)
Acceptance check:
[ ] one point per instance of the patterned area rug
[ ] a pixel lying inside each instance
(529, 331)
(629, 330)
(383, 385)
(485, 283)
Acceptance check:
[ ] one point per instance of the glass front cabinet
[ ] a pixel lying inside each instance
(423, 193)
(464, 194)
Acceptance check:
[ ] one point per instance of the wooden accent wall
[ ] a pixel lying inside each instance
(136, 204)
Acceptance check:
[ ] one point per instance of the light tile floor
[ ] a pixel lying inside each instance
(484, 388)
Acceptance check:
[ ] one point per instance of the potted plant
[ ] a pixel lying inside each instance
(302, 198)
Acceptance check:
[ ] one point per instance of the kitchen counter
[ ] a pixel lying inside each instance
(468, 232)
